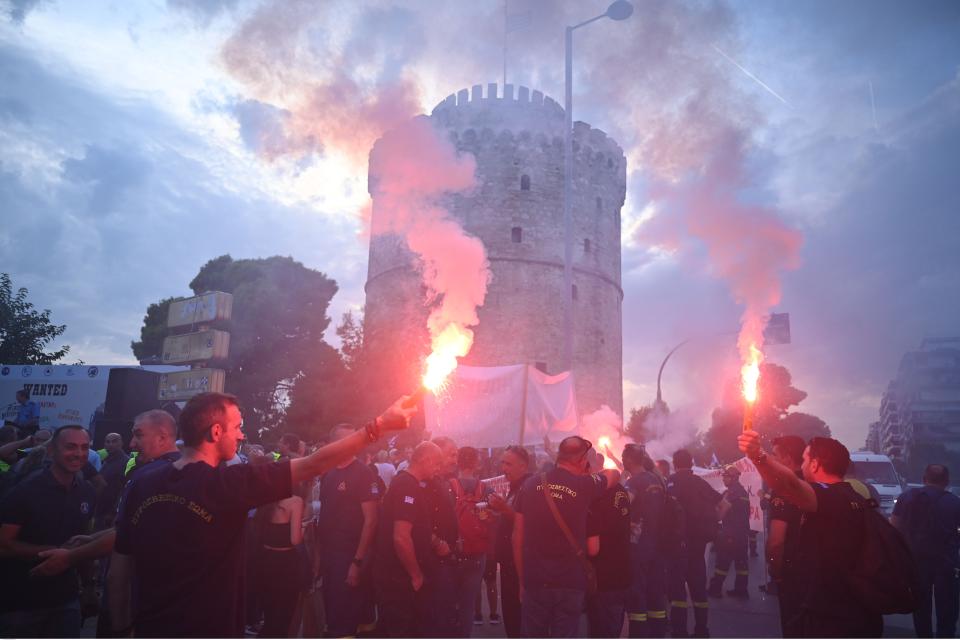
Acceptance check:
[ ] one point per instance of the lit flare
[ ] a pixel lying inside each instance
(451, 343)
(749, 382)
(603, 445)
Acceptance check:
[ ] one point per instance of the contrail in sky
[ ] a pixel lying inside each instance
(753, 77)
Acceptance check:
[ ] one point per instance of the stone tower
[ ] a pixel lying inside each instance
(517, 211)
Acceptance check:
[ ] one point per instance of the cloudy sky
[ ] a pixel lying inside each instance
(140, 139)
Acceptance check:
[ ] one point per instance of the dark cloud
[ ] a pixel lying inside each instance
(109, 174)
(17, 10)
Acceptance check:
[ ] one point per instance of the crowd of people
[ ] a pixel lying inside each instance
(202, 535)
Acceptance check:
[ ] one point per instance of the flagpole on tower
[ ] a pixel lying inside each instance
(505, 42)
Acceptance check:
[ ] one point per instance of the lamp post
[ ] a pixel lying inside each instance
(619, 10)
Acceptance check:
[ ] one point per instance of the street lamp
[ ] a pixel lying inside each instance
(619, 10)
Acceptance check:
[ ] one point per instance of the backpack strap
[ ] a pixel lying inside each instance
(559, 519)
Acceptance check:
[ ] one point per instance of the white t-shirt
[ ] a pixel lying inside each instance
(387, 472)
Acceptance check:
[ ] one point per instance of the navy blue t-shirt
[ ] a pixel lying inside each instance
(184, 529)
(930, 519)
(406, 500)
(648, 499)
(737, 520)
(610, 520)
(48, 514)
(342, 491)
(548, 559)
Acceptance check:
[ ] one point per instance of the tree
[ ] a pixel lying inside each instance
(276, 334)
(636, 424)
(25, 332)
(771, 416)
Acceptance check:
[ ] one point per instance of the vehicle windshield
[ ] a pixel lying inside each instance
(874, 472)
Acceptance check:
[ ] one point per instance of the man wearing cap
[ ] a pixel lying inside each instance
(731, 544)
(551, 566)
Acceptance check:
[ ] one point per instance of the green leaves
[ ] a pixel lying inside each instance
(25, 332)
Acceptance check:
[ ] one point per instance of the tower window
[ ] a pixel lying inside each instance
(586, 245)
(516, 234)
(599, 205)
(524, 182)
(573, 292)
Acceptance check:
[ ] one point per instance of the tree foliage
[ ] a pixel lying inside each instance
(276, 334)
(771, 418)
(24, 331)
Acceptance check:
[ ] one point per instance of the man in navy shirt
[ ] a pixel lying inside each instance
(349, 495)
(182, 524)
(731, 543)
(42, 512)
(405, 546)
(929, 518)
(552, 575)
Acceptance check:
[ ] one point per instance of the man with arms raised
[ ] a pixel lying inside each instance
(831, 536)
(553, 580)
(180, 526)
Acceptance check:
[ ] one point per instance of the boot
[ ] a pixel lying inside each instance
(740, 586)
(700, 612)
(678, 621)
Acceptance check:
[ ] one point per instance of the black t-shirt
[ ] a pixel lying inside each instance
(830, 539)
(646, 512)
(736, 522)
(503, 547)
(184, 529)
(548, 559)
(699, 501)
(930, 518)
(112, 473)
(442, 503)
(342, 491)
(48, 514)
(789, 513)
(609, 518)
(406, 500)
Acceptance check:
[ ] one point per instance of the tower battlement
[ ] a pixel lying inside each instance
(523, 115)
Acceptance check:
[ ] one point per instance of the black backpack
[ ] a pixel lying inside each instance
(884, 578)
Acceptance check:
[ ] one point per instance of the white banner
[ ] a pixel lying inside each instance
(751, 481)
(499, 406)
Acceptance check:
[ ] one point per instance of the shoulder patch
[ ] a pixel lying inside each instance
(408, 499)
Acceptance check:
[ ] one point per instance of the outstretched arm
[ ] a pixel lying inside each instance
(780, 478)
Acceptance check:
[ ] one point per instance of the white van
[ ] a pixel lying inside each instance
(877, 470)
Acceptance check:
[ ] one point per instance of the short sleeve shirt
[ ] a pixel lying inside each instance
(405, 501)
(609, 519)
(48, 514)
(184, 529)
(549, 561)
(27, 412)
(790, 514)
(931, 518)
(342, 492)
(830, 538)
(503, 547)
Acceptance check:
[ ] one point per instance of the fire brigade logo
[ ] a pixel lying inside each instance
(84, 508)
(342, 486)
(92, 372)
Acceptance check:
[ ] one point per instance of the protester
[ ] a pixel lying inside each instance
(549, 550)
(279, 563)
(647, 600)
(831, 534)
(28, 414)
(783, 537)
(608, 545)
(290, 446)
(181, 525)
(442, 567)
(929, 518)
(663, 468)
(688, 570)
(475, 528)
(731, 542)
(404, 548)
(385, 468)
(515, 465)
(349, 496)
(112, 472)
(43, 512)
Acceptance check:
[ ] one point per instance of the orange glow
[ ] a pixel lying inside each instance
(603, 446)
(451, 343)
(750, 374)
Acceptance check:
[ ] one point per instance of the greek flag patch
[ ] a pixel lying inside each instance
(408, 499)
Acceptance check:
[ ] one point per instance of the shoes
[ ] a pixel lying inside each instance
(494, 619)
(738, 594)
(478, 620)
